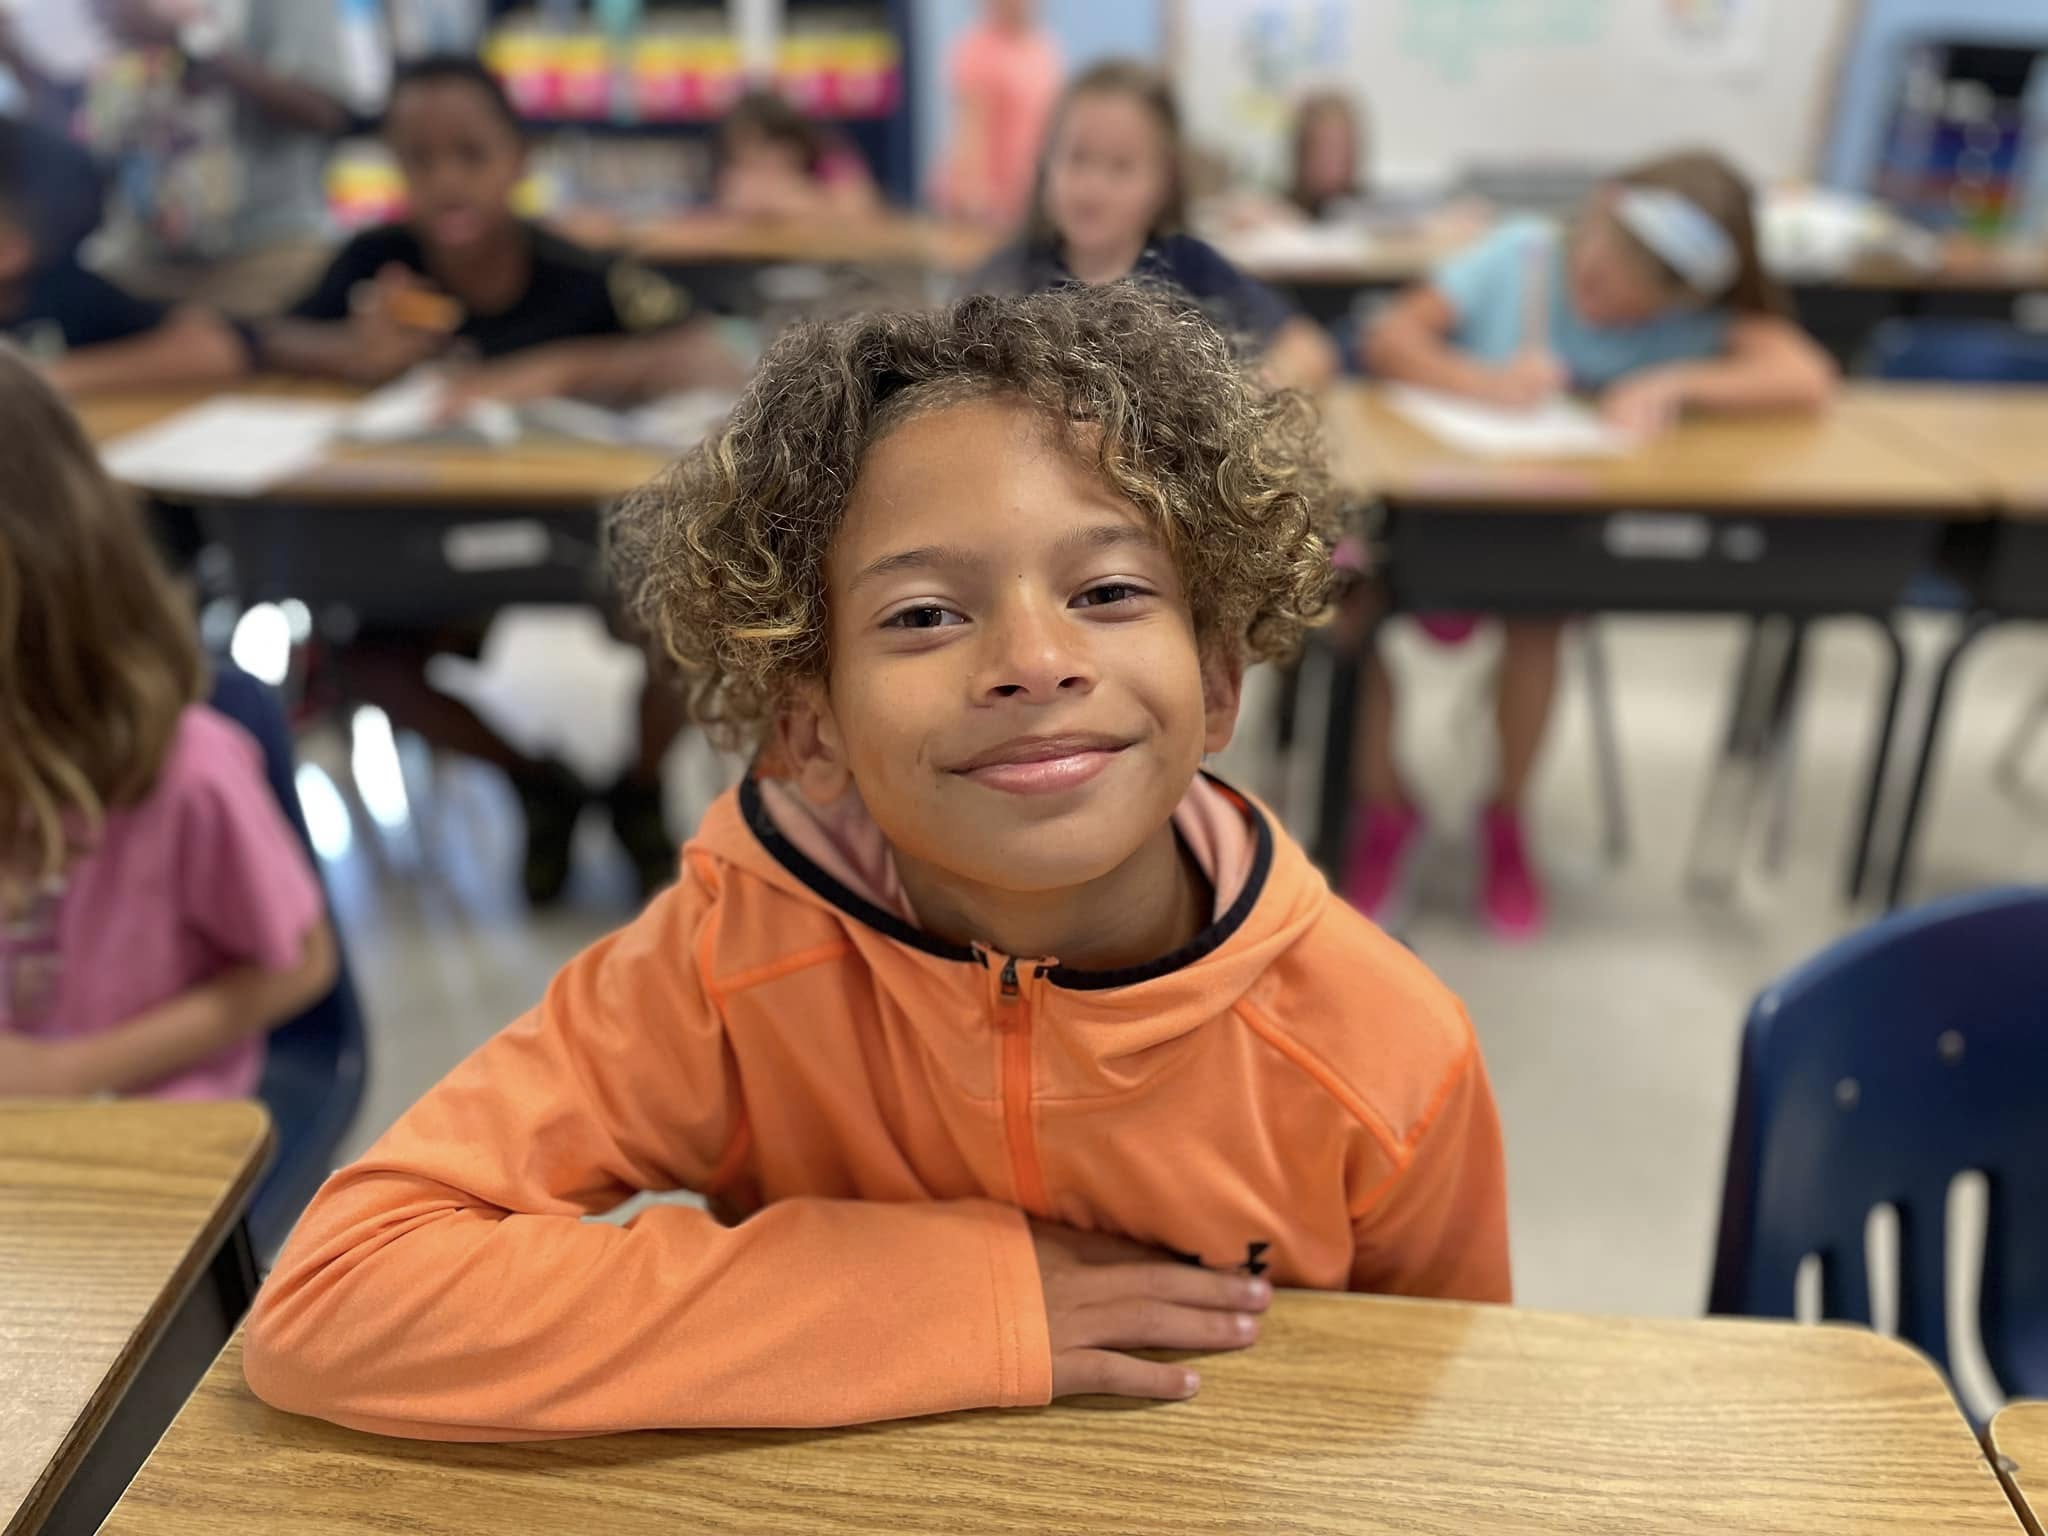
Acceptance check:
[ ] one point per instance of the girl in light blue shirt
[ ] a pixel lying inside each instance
(1655, 301)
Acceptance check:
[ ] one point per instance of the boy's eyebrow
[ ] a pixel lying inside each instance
(959, 557)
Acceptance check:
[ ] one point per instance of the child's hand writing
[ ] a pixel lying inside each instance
(1105, 1295)
(1529, 380)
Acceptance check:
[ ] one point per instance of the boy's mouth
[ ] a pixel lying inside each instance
(1037, 765)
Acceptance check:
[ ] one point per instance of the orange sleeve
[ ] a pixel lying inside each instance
(1438, 1225)
(447, 1286)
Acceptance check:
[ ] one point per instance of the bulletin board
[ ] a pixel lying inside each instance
(1450, 82)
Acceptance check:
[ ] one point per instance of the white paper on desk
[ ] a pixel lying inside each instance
(410, 411)
(1561, 429)
(233, 445)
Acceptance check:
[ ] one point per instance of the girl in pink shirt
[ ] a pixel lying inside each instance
(158, 916)
(1005, 76)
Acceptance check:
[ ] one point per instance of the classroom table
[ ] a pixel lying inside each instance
(1996, 437)
(2019, 1446)
(409, 533)
(1351, 1415)
(123, 1268)
(1790, 518)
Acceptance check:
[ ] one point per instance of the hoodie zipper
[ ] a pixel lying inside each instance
(1013, 1023)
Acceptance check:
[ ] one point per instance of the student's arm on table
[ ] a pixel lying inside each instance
(1437, 1224)
(1409, 341)
(191, 1028)
(447, 1286)
(610, 369)
(191, 346)
(1770, 365)
(359, 331)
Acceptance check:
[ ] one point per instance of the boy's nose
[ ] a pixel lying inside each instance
(1034, 656)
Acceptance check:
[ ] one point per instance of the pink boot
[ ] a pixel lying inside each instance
(1377, 866)
(1510, 895)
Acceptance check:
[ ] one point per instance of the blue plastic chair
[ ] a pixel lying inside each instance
(313, 1077)
(1958, 351)
(1898, 1058)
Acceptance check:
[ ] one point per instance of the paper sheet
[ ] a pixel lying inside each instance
(233, 445)
(1561, 429)
(410, 411)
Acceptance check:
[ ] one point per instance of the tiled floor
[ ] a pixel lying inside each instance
(1611, 1042)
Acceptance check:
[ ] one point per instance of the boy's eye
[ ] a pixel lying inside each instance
(923, 616)
(1109, 592)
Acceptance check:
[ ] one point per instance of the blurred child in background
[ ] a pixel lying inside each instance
(85, 333)
(1005, 75)
(517, 313)
(1657, 301)
(1111, 204)
(772, 162)
(1328, 179)
(158, 915)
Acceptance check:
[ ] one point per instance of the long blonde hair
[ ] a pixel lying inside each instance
(98, 658)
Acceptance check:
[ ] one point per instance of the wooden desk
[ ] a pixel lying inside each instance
(1845, 461)
(110, 1214)
(1351, 1415)
(2019, 1445)
(1993, 437)
(548, 473)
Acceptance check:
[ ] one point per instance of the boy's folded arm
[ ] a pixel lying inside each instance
(1437, 1225)
(447, 1286)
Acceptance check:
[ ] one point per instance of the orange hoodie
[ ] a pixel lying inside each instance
(870, 1111)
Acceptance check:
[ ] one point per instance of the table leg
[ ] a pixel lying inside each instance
(1740, 747)
(1974, 628)
(1347, 675)
(1781, 771)
(195, 1335)
(1880, 762)
(1606, 740)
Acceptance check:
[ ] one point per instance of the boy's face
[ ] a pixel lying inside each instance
(461, 161)
(1014, 686)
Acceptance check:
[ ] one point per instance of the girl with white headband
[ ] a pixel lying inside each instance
(1656, 301)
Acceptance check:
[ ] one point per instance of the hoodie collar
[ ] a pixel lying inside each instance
(840, 855)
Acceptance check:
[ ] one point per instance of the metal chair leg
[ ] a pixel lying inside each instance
(1974, 628)
(1606, 741)
(1779, 749)
(2012, 759)
(1880, 761)
(1724, 809)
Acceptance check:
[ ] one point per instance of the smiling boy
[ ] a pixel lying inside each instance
(1001, 1040)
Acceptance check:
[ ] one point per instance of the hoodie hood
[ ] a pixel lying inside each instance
(1269, 896)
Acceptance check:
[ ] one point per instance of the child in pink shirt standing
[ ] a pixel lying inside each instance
(1005, 76)
(158, 916)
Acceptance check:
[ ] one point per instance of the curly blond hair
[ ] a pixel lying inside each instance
(722, 557)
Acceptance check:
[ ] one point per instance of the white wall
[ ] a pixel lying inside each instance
(1451, 81)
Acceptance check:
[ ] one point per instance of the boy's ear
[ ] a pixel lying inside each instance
(1222, 692)
(808, 742)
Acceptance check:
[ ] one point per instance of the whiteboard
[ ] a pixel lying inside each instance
(1450, 82)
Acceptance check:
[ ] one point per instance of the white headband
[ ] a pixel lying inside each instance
(1685, 237)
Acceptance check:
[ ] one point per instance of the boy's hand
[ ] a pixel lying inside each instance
(396, 323)
(1105, 1295)
(1529, 380)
